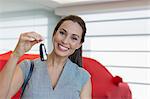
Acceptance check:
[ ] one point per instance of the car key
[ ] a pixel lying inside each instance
(43, 53)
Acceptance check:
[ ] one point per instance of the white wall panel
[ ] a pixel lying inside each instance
(125, 43)
(128, 74)
(115, 16)
(121, 59)
(119, 27)
(16, 31)
(24, 22)
(140, 91)
(10, 44)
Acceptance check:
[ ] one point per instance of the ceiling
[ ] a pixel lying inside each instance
(22, 5)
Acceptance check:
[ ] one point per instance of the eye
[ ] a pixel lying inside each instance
(62, 33)
(74, 38)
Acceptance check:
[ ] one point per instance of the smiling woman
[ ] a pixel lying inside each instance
(58, 77)
(67, 38)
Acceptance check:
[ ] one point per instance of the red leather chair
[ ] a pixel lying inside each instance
(104, 85)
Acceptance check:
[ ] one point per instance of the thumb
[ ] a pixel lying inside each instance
(33, 43)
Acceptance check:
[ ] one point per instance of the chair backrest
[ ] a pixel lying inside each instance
(104, 85)
(100, 77)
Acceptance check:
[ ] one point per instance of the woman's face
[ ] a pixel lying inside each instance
(67, 38)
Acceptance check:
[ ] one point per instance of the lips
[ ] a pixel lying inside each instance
(62, 48)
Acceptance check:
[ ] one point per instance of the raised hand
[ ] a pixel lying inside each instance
(26, 41)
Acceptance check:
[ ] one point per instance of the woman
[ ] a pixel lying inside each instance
(56, 78)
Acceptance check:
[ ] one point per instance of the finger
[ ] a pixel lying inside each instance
(35, 35)
(33, 43)
(26, 38)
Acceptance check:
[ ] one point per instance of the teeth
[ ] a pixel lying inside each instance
(63, 48)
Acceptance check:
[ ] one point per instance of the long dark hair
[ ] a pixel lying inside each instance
(76, 57)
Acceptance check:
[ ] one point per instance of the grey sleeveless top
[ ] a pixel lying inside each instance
(69, 85)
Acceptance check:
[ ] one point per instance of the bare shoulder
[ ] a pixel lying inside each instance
(86, 90)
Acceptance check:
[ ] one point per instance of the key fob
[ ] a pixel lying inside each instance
(43, 54)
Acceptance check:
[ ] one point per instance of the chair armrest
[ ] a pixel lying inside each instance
(116, 80)
(122, 91)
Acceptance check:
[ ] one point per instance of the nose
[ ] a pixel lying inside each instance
(65, 40)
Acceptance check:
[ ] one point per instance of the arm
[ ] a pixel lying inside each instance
(86, 90)
(11, 74)
(6, 75)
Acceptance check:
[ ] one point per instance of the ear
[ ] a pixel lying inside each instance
(79, 45)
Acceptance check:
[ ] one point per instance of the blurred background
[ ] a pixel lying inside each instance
(118, 33)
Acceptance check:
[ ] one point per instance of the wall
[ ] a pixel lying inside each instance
(118, 36)
(14, 23)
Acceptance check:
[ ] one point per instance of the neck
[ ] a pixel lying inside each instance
(55, 60)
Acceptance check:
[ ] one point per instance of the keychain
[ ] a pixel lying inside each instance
(43, 53)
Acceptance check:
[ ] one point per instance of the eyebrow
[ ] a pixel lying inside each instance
(63, 29)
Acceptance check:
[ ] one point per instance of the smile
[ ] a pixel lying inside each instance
(63, 48)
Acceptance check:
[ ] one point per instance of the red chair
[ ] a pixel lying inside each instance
(104, 85)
